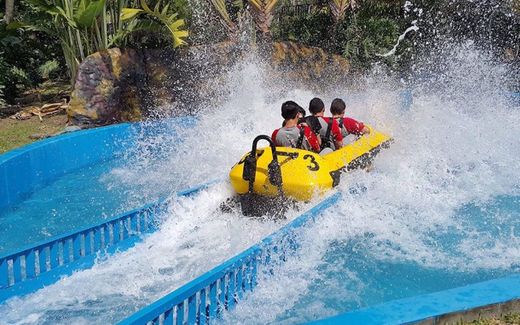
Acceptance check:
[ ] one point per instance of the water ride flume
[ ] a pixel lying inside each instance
(265, 179)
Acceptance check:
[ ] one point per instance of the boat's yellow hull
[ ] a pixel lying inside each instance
(304, 173)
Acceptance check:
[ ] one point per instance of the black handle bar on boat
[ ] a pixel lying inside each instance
(274, 171)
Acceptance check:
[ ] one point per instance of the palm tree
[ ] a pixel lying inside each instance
(338, 9)
(9, 11)
(263, 14)
(220, 6)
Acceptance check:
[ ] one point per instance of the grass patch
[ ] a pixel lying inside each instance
(14, 133)
(508, 319)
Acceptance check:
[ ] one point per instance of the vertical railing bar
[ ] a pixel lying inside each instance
(30, 267)
(43, 259)
(97, 239)
(247, 274)
(17, 269)
(61, 255)
(180, 313)
(138, 218)
(202, 312)
(116, 229)
(53, 256)
(221, 301)
(88, 243)
(37, 265)
(122, 228)
(124, 231)
(76, 246)
(110, 234)
(213, 304)
(23, 268)
(168, 317)
(192, 309)
(83, 241)
(10, 272)
(66, 251)
(231, 289)
(145, 221)
(226, 291)
(103, 232)
(4, 273)
(133, 224)
(240, 282)
(254, 270)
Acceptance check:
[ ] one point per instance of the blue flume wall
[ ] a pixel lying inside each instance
(427, 307)
(46, 262)
(203, 300)
(24, 169)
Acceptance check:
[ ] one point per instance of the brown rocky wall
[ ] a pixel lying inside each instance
(120, 85)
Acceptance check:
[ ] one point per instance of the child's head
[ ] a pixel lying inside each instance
(337, 107)
(290, 110)
(316, 106)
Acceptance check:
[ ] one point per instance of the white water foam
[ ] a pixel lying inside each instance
(455, 145)
(195, 237)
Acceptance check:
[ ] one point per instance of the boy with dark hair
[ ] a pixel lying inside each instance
(293, 134)
(346, 124)
(325, 127)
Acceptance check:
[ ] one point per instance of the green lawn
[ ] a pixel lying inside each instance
(14, 133)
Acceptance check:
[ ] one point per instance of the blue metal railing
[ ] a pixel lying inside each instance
(33, 267)
(205, 298)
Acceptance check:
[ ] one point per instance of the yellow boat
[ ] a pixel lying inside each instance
(300, 174)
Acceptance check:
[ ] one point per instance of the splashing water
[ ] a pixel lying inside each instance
(437, 205)
(441, 208)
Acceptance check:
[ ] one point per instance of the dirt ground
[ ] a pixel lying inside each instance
(15, 133)
(508, 319)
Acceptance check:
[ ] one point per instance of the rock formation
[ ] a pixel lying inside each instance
(128, 85)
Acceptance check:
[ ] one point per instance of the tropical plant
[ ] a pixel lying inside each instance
(263, 13)
(87, 26)
(22, 53)
(262, 10)
(48, 68)
(220, 6)
(9, 11)
(155, 20)
(338, 9)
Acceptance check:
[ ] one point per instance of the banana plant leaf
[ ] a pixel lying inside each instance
(91, 10)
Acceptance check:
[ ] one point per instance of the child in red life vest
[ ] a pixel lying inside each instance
(347, 124)
(293, 134)
(325, 127)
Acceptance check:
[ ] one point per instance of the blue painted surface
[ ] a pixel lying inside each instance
(61, 174)
(64, 183)
(232, 278)
(422, 307)
(36, 164)
(360, 276)
(119, 233)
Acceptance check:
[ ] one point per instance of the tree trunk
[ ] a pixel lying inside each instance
(9, 11)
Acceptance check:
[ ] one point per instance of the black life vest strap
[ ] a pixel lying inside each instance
(299, 143)
(325, 143)
(340, 122)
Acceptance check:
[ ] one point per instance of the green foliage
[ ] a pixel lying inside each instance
(48, 68)
(312, 29)
(362, 36)
(87, 26)
(22, 53)
(156, 18)
(367, 40)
